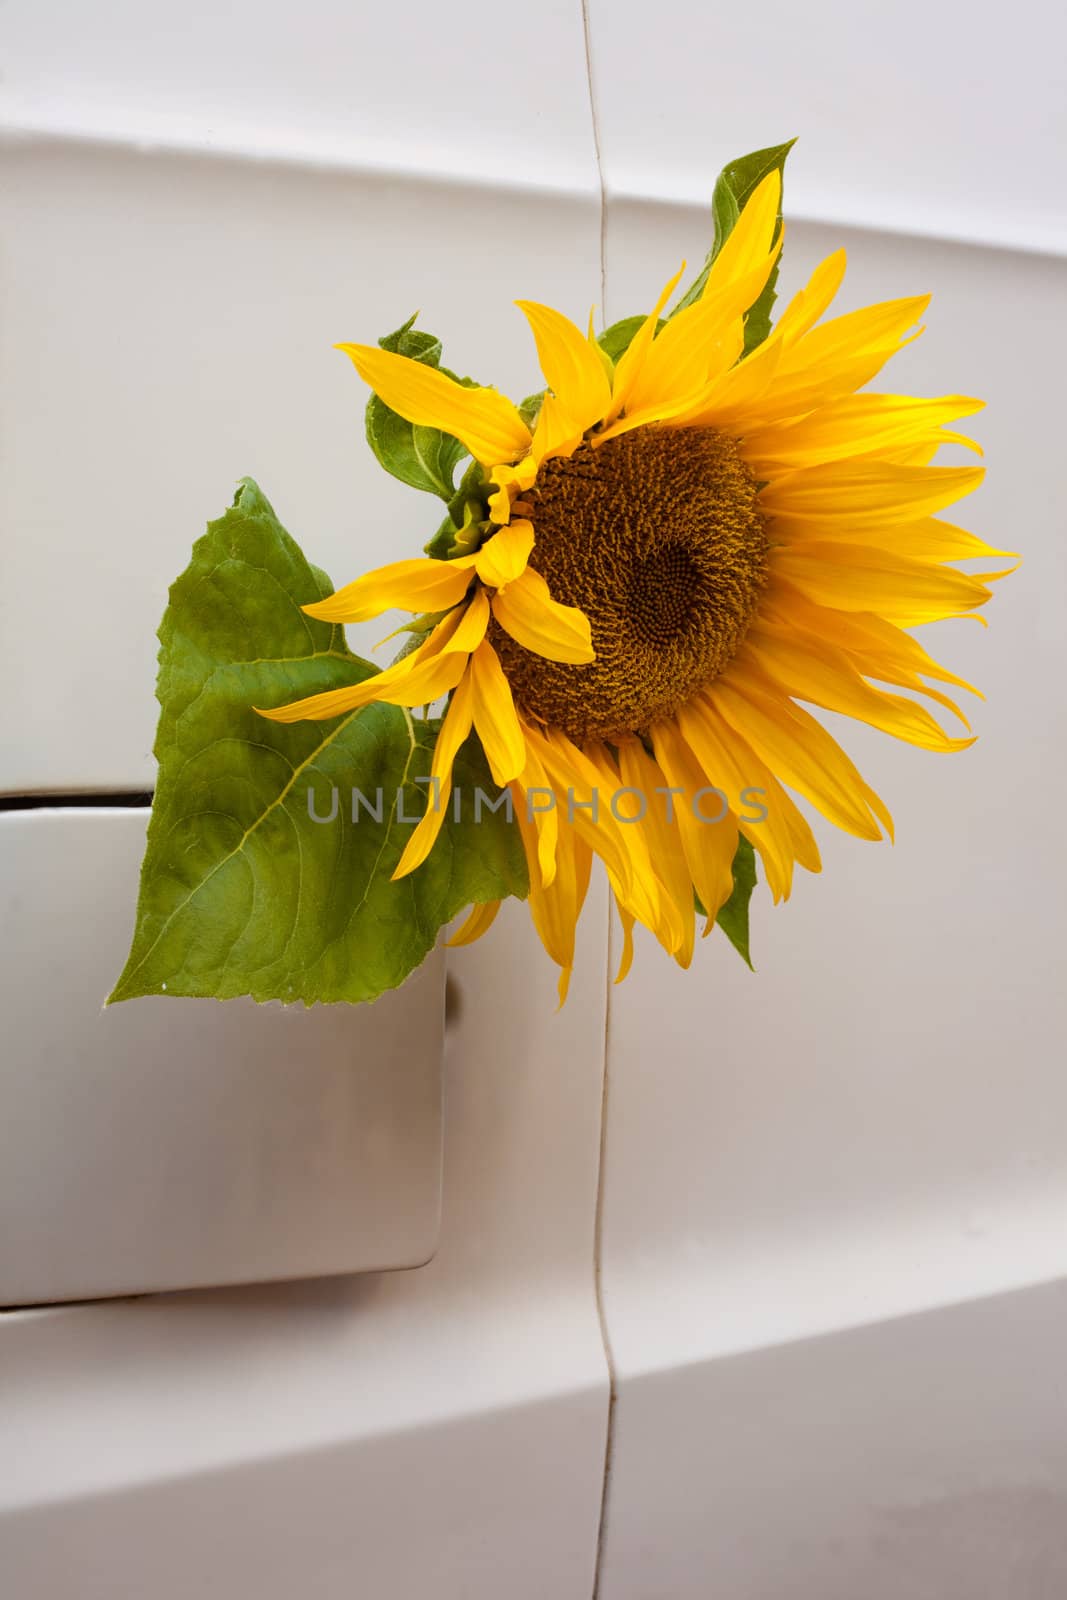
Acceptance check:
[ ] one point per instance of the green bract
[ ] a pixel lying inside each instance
(733, 916)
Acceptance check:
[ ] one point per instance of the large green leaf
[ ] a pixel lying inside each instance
(734, 188)
(425, 458)
(242, 892)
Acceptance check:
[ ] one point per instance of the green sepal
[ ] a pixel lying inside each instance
(471, 499)
(443, 541)
(734, 188)
(733, 916)
(467, 522)
(242, 892)
(472, 531)
(424, 458)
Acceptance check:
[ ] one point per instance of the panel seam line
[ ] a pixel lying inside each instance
(598, 1226)
(594, 117)
(598, 1277)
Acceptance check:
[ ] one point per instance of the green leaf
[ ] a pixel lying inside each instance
(616, 340)
(425, 458)
(242, 892)
(734, 188)
(733, 917)
(530, 408)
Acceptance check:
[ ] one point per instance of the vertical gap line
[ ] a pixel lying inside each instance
(598, 1230)
(595, 119)
(598, 1276)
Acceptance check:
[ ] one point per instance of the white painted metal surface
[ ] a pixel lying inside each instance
(484, 91)
(176, 317)
(804, 1168)
(165, 1144)
(438, 1432)
(926, 119)
(919, 1458)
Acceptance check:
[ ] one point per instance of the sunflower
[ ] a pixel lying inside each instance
(688, 542)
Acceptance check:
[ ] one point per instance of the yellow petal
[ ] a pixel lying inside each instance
(879, 648)
(632, 359)
(810, 669)
(454, 729)
(421, 684)
(626, 959)
(750, 244)
(527, 611)
(920, 452)
(651, 901)
(737, 399)
(555, 910)
(498, 726)
(533, 795)
(578, 784)
(512, 481)
(932, 539)
(709, 846)
(861, 578)
(500, 504)
(418, 679)
(782, 837)
(554, 434)
(794, 393)
(806, 307)
(639, 771)
(866, 494)
(470, 629)
(483, 420)
(320, 707)
(424, 684)
(832, 360)
(416, 585)
(800, 752)
(479, 920)
(866, 329)
(858, 424)
(353, 697)
(681, 361)
(734, 396)
(572, 366)
(503, 557)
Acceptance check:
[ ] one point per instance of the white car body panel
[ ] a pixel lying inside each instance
(809, 1227)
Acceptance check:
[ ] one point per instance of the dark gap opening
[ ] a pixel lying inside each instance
(74, 801)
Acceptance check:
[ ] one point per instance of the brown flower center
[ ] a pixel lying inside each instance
(657, 536)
